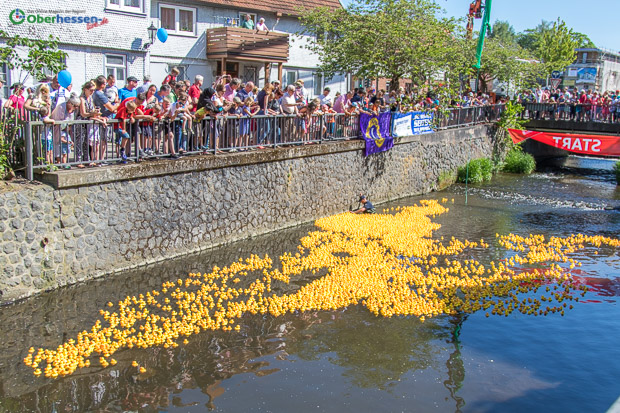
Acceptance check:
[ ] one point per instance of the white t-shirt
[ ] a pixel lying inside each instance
(173, 109)
(325, 99)
(288, 100)
(58, 96)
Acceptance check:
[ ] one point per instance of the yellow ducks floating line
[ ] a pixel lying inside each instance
(363, 257)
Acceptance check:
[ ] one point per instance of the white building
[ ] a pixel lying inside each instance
(118, 44)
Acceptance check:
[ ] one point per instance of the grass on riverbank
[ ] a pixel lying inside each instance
(519, 162)
(476, 171)
(617, 171)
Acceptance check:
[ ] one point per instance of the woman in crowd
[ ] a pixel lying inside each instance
(151, 99)
(17, 100)
(40, 99)
(263, 126)
(64, 111)
(88, 136)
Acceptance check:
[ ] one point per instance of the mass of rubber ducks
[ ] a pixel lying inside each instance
(388, 262)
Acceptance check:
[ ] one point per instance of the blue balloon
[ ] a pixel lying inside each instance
(64, 78)
(162, 35)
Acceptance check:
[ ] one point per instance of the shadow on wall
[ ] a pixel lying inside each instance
(198, 51)
(137, 43)
(374, 166)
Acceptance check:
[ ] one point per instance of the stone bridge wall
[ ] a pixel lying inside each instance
(111, 219)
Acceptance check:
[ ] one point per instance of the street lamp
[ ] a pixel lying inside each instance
(152, 30)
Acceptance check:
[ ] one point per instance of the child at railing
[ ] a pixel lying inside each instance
(606, 102)
(182, 114)
(329, 115)
(165, 127)
(47, 138)
(147, 128)
(66, 145)
(123, 139)
(236, 111)
(248, 111)
(205, 127)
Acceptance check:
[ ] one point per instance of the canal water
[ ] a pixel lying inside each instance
(350, 360)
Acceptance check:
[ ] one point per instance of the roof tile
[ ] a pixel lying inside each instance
(286, 7)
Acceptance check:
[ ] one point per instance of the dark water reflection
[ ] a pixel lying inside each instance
(349, 360)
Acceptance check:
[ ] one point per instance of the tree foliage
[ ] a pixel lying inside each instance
(503, 32)
(410, 39)
(583, 41)
(40, 56)
(394, 39)
(556, 47)
(530, 38)
(553, 44)
(505, 62)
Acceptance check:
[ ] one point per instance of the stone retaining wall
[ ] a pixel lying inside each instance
(111, 219)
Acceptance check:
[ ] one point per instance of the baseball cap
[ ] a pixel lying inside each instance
(132, 79)
(362, 197)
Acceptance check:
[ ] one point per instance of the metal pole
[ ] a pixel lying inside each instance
(483, 31)
(29, 168)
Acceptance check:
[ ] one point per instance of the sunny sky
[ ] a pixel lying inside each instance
(596, 18)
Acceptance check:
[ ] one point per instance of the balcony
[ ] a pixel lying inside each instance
(243, 44)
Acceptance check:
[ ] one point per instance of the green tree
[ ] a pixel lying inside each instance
(583, 41)
(530, 38)
(394, 39)
(32, 57)
(503, 32)
(551, 43)
(556, 47)
(504, 62)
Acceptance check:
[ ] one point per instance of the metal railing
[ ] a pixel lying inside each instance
(81, 143)
(572, 112)
(467, 116)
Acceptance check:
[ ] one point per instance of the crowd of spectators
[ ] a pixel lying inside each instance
(578, 105)
(179, 116)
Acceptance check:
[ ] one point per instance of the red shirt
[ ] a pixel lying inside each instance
(122, 114)
(124, 103)
(168, 79)
(194, 92)
(17, 102)
(146, 112)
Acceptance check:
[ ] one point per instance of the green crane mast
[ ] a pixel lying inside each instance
(483, 31)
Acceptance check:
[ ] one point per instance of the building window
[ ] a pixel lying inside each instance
(318, 84)
(177, 19)
(291, 77)
(584, 58)
(5, 75)
(132, 6)
(182, 71)
(232, 68)
(115, 64)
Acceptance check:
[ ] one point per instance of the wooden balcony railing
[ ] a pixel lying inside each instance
(244, 44)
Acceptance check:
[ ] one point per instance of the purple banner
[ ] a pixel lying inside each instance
(376, 132)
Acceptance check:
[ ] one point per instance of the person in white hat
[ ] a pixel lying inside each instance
(261, 26)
